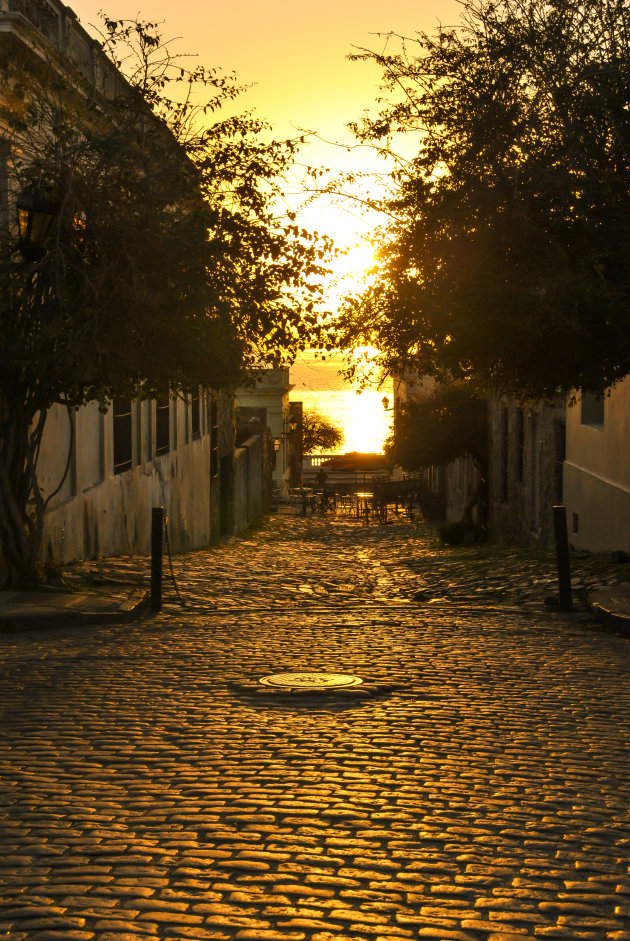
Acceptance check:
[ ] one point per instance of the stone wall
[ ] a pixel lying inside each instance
(526, 454)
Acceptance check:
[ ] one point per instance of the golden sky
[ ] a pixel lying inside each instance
(294, 54)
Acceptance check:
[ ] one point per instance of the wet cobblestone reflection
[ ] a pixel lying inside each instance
(478, 790)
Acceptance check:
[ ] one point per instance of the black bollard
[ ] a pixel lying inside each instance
(562, 556)
(157, 528)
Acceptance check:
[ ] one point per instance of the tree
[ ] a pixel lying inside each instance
(167, 268)
(319, 433)
(448, 423)
(507, 252)
(444, 425)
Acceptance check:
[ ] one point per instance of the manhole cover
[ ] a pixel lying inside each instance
(311, 680)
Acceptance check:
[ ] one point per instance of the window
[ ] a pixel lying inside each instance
(592, 410)
(162, 426)
(4, 188)
(196, 415)
(519, 444)
(505, 441)
(214, 436)
(123, 450)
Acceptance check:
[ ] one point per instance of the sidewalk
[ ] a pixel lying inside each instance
(30, 609)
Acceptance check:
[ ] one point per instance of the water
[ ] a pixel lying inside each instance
(364, 421)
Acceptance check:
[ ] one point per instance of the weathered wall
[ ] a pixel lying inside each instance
(99, 512)
(250, 482)
(597, 475)
(114, 517)
(254, 447)
(241, 475)
(462, 485)
(526, 452)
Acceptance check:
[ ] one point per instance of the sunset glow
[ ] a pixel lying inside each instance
(294, 61)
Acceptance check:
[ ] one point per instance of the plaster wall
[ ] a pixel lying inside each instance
(249, 482)
(241, 473)
(97, 512)
(271, 392)
(114, 517)
(524, 473)
(462, 484)
(597, 475)
(598, 511)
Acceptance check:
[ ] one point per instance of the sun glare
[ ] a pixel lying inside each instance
(353, 236)
(352, 268)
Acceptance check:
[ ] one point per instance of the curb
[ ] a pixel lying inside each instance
(612, 609)
(128, 610)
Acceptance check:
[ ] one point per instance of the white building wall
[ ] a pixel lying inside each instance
(597, 475)
(97, 512)
(272, 393)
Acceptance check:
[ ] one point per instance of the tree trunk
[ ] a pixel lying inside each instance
(478, 497)
(21, 504)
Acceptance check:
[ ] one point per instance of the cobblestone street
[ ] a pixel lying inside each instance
(476, 787)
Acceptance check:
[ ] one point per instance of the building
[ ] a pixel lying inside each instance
(525, 470)
(104, 470)
(597, 470)
(267, 399)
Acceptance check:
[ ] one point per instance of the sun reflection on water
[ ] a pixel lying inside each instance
(364, 421)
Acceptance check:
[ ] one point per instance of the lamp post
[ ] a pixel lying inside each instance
(36, 214)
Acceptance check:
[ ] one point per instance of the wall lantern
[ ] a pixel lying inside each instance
(385, 402)
(36, 216)
(276, 444)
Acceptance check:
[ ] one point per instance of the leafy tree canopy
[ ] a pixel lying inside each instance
(319, 433)
(169, 265)
(507, 252)
(445, 424)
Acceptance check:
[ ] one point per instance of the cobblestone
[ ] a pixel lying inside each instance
(478, 790)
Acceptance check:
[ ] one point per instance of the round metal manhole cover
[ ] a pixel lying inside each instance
(310, 680)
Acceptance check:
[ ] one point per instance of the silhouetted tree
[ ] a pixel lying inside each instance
(319, 433)
(167, 267)
(507, 252)
(446, 424)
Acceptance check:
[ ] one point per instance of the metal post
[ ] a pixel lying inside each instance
(303, 513)
(157, 528)
(562, 556)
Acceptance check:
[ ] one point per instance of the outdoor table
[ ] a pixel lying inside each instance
(364, 499)
(307, 497)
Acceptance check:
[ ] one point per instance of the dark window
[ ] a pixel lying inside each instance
(196, 415)
(4, 189)
(505, 441)
(592, 412)
(560, 437)
(162, 426)
(534, 470)
(123, 452)
(214, 437)
(519, 433)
